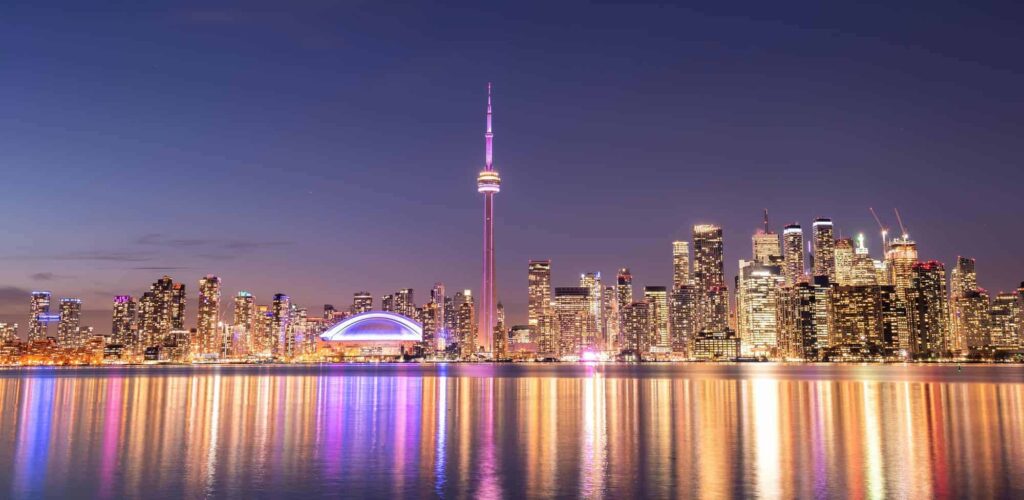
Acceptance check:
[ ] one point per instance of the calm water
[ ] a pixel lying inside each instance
(512, 430)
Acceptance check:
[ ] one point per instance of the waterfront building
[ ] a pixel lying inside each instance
(657, 299)
(39, 316)
(709, 278)
(900, 259)
(716, 346)
(796, 322)
(680, 264)
(636, 328)
(68, 334)
(465, 324)
(855, 316)
(281, 329)
(438, 333)
(610, 317)
(929, 317)
(843, 261)
(8, 333)
(971, 312)
(823, 247)
(623, 294)
(895, 323)
(682, 308)
(793, 253)
(372, 336)
(208, 315)
(361, 302)
(572, 317)
(244, 320)
(592, 334)
(404, 302)
(1005, 320)
(757, 308)
(540, 316)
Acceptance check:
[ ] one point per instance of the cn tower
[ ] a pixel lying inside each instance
(488, 183)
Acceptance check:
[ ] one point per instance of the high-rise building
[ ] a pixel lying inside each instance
(766, 249)
(929, 317)
(405, 303)
(657, 306)
(862, 268)
(610, 316)
(245, 322)
(793, 253)
(362, 302)
(387, 303)
(540, 316)
(895, 322)
(500, 335)
(963, 278)
(636, 328)
(440, 319)
(682, 308)
(1005, 321)
(855, 315)
(572, 318)
(592, 333)
(8, 332)
(465, 324)
(757, 305)
(39, 312)
(70, 322)
(680, 264)
(709, 278)
(281, 325)
(177, 306)
(488, 183)
(964, 306)
(843, 261)
(823, 247)
(796, 316)
(900, 259)
(623, 294)
(208, 315)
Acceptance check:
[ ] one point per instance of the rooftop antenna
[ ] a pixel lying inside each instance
(766, 221)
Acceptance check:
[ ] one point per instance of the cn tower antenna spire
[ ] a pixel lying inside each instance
(489, 135)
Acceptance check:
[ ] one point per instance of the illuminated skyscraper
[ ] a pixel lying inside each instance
(592, 333)
(362, 302)
(636, 328)
(540, 316)
(488, 183)
(465, 324)
(657, 306)
(797, 335)
(766, 247)
(623, 294)
(900, 259)
(972, 314)
(682, 307)
(1006, 322)
(855, 315)
(680, 264)
(281, 328)
(177, 306)
(862, 268)
(8, 332)
(500, 334)
(572, 317)
(405, 303)
(208, 315)
(437, 301)
(757, 305)
(69, 324)
(929, 317)
(611, 319)
(245, 322)
(39, 312)
(963, 278)
(709, 278)
(824, 263)
(843, 261)
(793, 253)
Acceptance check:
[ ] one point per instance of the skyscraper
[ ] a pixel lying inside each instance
(592, 332)
(797, 335)
(208, 314)
(281, 328)
(657, 306)
(611, 319)
(824, 248)
(572, 316)
(70, 322)
(39, 312)
(682, 306)
(465, 324)
(929, 317)
(843, 261)
(362, 302)
(766, 245)
(757, 304)
(709, 278)
(538, 307)
(488, 183)
(900, 260)
(124, 327)
(680, 264)
(623, 294)
(440, 319)
(636, 328)
(1005, 321)
(793, 253)
(404, 302)
(245, 322)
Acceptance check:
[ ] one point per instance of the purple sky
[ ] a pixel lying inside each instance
(321, 150)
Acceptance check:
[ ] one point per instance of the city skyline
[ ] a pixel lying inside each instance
(352, 207)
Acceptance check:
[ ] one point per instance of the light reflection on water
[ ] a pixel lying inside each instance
(707, 431)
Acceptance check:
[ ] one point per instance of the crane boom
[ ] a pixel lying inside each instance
(900, 220)
(881, 227)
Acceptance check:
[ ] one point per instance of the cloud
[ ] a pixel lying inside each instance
(98, 255)
(47, 276)
(156, 239)
(14, 296)
(162, 268)
(159, 240)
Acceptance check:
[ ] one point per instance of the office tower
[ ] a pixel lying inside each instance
(592, 332)
(963, 304)
(862, 268)
(437, 309)
(681, 310)
(843, 261)
(387, 303)
(69, 323)
(709, 278)
(428, 317)
(244, 320)
(929, 318)
(264, 336)
(796, 317)
(793, 253)
(821, 308)
(404, 303)
(757, 309)
(823, 241)
(963, 278)
(466, 324)
(8, 332)
(362, 302)
(178, 306)
(882, 275)
(855, 316)
(488, 183)
(900, 259)
(208, 315)
(1005, 322)
(610, 317)
(280, 329)
(973, 311)
(572, 317)
(39, 316)
(895, 322)
(680, 264)
(657, 306)
(623, 293)
(766, 249)
(636, 328)
(540, 316)
(500, 334)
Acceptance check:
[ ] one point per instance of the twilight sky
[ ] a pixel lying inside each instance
(318, 150)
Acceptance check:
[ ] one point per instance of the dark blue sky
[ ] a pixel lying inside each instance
(318, 150)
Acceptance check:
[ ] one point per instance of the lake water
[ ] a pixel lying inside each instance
(463, 430)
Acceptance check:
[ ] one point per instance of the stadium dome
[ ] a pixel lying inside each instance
(375, 326)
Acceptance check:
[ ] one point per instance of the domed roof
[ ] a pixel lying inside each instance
(376, 326)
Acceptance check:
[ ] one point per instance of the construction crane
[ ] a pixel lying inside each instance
(903, 228)
(882, 228)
